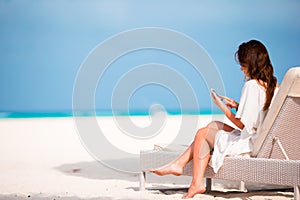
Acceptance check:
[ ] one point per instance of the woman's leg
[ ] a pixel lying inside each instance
(176, 166)
(204, 138)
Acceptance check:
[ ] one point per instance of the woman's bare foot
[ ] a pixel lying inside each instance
(172, 168)
(194, 189)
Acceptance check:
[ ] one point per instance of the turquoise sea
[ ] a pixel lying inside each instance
(4, 115)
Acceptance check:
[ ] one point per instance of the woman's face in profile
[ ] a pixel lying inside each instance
(244, 68)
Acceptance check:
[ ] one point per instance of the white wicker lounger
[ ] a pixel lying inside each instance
(276, 155)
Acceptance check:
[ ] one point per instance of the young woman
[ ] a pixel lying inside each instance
(256, 97)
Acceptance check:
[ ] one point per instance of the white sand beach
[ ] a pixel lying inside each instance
(44, 158)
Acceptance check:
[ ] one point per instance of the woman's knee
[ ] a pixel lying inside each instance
(201, 133)
(212, 127)
(215, 125)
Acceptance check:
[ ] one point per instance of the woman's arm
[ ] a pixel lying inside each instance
(231, 116)
(231, 104)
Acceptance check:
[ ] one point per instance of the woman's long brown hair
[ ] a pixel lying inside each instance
(254, 56)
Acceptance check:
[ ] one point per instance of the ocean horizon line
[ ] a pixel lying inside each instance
(63, 114)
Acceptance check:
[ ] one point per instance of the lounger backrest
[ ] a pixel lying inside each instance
(279, 134)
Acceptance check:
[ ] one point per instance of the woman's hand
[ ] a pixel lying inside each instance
(218, 101)
(230, 103)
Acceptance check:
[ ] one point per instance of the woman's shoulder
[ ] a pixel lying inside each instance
(251, 83)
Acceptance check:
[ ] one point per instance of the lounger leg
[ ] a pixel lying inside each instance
(242, 186)
(208, 184)
(142, 177)
(297, 192)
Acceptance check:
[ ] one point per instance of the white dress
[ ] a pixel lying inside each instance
(240, 142)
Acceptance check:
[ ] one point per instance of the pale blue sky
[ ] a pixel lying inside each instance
(43, 43)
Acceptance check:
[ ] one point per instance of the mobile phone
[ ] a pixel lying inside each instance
(215, 93)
